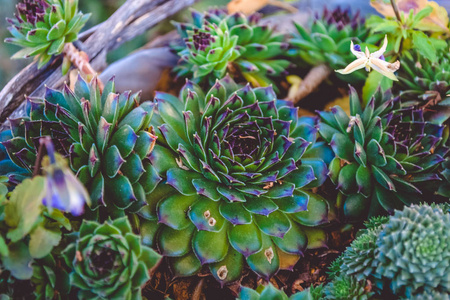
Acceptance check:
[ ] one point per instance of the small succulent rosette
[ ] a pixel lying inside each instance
(237, 169)
(43, 27)
(385, 154)
(217, 43)
(426, 84)
(108, 261)
(328, 40)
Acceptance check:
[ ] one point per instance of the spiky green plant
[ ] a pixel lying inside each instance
(106, 136)
(413, 251)
(238, 166)
(384, 153)
(359, 259)
(217, 43)
(108, 261)
(344, 287)
(50, 281)
(427, 84)
(43, 27)
(328, 40)
(375, 223)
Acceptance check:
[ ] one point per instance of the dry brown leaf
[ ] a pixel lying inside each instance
(437, 21)
(343, 102)
(251, 6)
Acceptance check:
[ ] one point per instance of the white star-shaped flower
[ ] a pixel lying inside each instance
(370, 61)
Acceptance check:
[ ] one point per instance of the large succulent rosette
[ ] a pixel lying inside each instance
(385, 154)
(105, 135)
(238, 169)
(217, 43)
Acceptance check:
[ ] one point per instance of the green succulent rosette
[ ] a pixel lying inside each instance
(238, 167)
(43, 27)
(344, 287)
(427, 84)
(108, 261)
(385, 154)
(268, 291)
(217, 43)
(413, 251)
(106, 136)
(328, 40)
(49, 280)
(430, 296)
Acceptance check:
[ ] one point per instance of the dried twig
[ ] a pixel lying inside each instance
(311, 82)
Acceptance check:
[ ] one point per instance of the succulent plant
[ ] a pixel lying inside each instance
(217, 43)
(49, 280)
(329, 40)
(43, 27)
(7, 167)
(108, 261)
(334, 269)
(413, 251)
(262, 292)
(384, 153)
(442, 189)
(106, 136)
(375, 223)
(270, 292)
(430, 296)
(426, 84)
(345, 287)
(238, 167)
(359, 259)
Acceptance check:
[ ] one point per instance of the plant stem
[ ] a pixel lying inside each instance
(81, 61)
(37, 163)
(396, 11)
(311, 82)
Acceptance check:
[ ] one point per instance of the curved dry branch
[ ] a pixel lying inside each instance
(133, 18)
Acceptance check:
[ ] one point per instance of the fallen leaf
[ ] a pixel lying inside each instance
(437, 21)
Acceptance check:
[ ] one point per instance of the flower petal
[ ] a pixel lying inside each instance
(377, 54)
(382, 67)
(360, 63)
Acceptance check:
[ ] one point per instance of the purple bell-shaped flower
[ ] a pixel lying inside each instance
(64, 190)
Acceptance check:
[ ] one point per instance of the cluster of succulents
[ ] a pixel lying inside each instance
(239, 169)
(43, 27)
(406, 255)
(384, 153)
(106, 136)
(328, 40)
(226, 177)
(217, 43)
